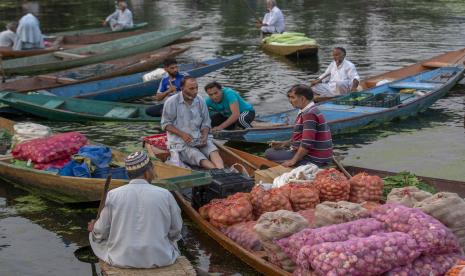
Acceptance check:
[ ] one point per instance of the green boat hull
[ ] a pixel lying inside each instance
(95, 53)
(66, 109)
(101, 30)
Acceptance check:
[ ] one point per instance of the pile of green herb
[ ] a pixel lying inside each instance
(404, 179)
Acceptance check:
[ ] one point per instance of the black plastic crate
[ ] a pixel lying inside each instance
(382, 100)
(224, 183)
(354, 98)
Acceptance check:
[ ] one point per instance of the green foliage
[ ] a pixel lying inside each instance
(404, 179)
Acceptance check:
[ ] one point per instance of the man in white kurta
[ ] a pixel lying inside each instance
(273, 21)
(28, 34)
(339, 78)
(121, 18)
(8, 37)
(140, 224)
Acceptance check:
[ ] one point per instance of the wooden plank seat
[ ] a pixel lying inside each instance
(259, 124)
(121, 112)
(182, 267)
(52, 104)
(412, 85)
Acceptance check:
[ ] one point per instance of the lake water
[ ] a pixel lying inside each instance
(38, 237)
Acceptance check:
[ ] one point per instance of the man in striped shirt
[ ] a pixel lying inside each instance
(311, 139)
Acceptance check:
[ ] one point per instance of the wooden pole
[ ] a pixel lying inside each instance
(340, 167)
(104, 195)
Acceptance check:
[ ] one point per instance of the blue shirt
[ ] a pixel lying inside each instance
(229, 97)
(164, 83)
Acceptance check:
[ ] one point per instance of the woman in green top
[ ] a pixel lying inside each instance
(227, 109)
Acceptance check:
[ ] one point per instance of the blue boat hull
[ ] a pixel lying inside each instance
(346, 118)
(131, 87)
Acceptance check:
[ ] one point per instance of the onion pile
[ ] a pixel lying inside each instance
(427, 265)
(364, 187)
(309, 215)
(333, 233)
(244, 234)
(372, 255)
(303, 196)
(231, 210)
(333, 185)
(269, 201)
(431, 235)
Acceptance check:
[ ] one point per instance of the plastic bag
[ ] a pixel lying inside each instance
(305, 172)
(156, 74)
(29, 131)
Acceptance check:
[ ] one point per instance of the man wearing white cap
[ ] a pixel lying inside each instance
(140, 224)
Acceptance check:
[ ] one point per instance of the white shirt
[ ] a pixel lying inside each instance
(7, 38)
(28, 33)
(138, 227)
(123, 18)
(275, 21)
(345, 72)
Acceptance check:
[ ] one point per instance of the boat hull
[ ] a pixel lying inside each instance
(291, 50)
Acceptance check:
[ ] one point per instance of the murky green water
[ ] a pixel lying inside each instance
(38, 237)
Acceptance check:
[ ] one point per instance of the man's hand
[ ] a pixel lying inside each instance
(186, 138)
(171, 88)
(217, 128)
(104, 23)
(203, 141)
(90, 225)
(288, 163)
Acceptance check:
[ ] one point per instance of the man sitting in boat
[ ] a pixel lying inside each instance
(121, 18)
(227, 109)
(28, 34)
(187, 123)
(169, 85)
(140, 223)
(273, 21)
(343, 77)
(8, 37)
(311, 138)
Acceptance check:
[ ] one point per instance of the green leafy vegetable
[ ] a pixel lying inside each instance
(404, 179)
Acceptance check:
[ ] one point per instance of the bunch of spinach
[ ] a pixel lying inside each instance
(404, 179)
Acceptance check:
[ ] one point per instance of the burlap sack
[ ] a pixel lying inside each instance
(407, 196)
(328, 213)
(448, 208)
(276, 225)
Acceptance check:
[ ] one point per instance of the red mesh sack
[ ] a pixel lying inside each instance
(231, 210)
(364, 187)
(333, 185)
(244, 235)
(45, 150)
(53, 164)
(309, 215)
(271, 200)
(303, 196)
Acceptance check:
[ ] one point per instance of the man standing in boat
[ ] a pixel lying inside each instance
(311, 138)
(273, 21)
(227, 108)
(339, 78)
(140, 224)
(169, 85)
(187, 123)
(28, 34)
(121, 18)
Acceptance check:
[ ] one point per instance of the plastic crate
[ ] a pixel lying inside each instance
(158, 141)
(354, 98)
(382, 100)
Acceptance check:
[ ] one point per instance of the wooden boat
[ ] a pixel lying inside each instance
(182, 267)
(94, 53)
(75, 190)
(132, 87)
(345, 116)
(291, 50)
(74, 40)
(67, 109)
(100, 30)
(258, 260)
(102, 70)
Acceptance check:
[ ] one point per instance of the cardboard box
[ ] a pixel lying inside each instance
(267, 176)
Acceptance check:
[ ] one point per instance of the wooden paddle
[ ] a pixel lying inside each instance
(341, 167)
(252, 11)
(104, 195)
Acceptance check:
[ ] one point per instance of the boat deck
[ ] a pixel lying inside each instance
(182, 267)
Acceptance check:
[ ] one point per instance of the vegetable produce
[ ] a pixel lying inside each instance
(448, 208)
(457, 270)
(333, 185)
(303, 196)
(404, 179)
(309, 215)
(364, 187)
(370, 205)
(270, 200)
(276, 225)
(244, 234)
(328, 213)
(231, 210)
(333, 233)
(426, 265)
(289, 38)
(431, 235)
(45, 150)
(372, 255)
(407, 196)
